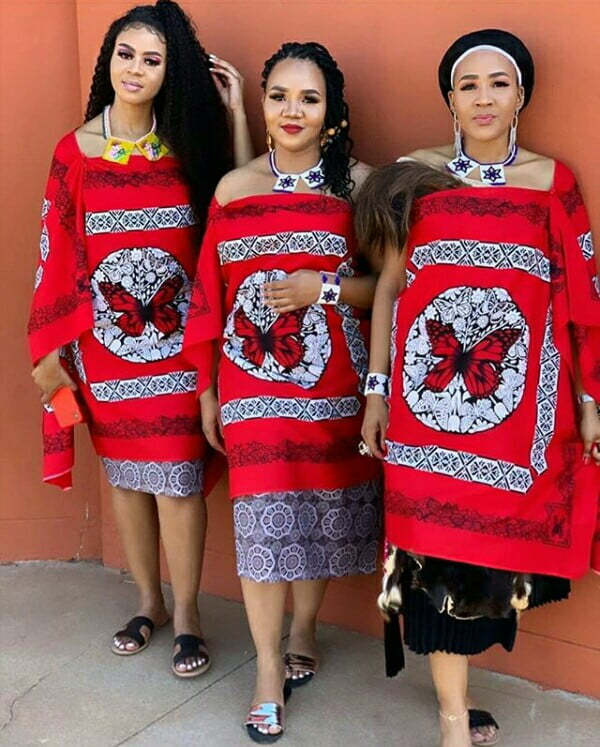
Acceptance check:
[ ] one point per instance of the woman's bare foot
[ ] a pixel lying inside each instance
(483, 735)
(301, 644)
(270, 678)
(454, 729)
(154, 610)
(187, 620)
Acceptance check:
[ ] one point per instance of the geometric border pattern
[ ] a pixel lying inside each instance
(144, 219)
(319, 243)
(144, 387)
(547, 397)
(297, 408)
(460, 465)
(586, 244)
(355, 341)
(468, 253)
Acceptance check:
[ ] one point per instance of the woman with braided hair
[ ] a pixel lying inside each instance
(278, 298)
(123, 215)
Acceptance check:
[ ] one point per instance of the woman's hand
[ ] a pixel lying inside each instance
(49, 375)
(375, 424)
(229, 83)
(212, 427)
(589, 427)
(301, 288)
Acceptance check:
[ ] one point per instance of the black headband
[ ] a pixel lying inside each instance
(504, 40)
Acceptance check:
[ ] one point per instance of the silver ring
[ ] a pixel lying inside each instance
(364, 450)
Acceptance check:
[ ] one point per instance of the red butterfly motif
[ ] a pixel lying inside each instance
(478, 366)
(136, 314)
(281, 340)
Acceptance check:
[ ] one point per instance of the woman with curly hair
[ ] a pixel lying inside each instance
(277, 298)
(123, 215)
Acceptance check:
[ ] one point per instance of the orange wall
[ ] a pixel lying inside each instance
(389, 52)
(39, 100)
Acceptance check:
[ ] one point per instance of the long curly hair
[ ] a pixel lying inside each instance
(337, 154)
(190, 115)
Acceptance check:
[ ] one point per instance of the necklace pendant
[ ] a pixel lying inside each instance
(152, 147)
(286, 183)
(313, 177)
(461, 166)
(118, 151)
(492, 174)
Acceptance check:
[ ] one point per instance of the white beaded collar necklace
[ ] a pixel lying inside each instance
(489, 173)
(313, 177)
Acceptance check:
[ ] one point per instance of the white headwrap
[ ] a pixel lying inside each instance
(491, 48)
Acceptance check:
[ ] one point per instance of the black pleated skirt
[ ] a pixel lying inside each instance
(427, 630)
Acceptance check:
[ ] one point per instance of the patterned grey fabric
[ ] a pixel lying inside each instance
(303, 535)
(176, 479)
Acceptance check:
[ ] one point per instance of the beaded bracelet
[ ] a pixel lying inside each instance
(330, 291)
(377, 383)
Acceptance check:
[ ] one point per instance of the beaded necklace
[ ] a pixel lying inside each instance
(119, 150)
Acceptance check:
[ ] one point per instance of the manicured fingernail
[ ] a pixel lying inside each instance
(586, 459)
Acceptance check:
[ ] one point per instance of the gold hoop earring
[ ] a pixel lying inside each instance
(270, 142)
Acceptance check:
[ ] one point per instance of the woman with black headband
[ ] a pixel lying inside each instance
(492, 432)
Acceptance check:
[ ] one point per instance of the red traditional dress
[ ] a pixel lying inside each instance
(118, 247)
(484, 460)
(484, 477)
(305, 502)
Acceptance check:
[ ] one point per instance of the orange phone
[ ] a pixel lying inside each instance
(66, 408)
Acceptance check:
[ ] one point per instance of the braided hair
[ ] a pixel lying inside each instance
(190, 115)
(337, 153)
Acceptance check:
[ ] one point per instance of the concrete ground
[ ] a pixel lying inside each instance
(60, 685)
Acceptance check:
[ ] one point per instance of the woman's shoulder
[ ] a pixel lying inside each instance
(534, 170)
(359, 171)
(90, 138)
(243, 181)
(439, 155)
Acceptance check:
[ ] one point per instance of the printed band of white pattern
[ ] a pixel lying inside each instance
(331, 289)
(377, 383)
(471, 253)
(461, 465)
(546, 398)
(296, 408)
(145, 219)
(317, 243)
(145, 387)
(586, 244)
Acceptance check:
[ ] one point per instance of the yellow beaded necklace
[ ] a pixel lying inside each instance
(119, 151)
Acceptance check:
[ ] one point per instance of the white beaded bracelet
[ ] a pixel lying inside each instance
(585, 397)
(377, 383)
(330, 291)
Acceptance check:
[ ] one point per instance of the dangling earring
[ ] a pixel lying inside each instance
(512, 136)
(270, 142)
(326, 136)
(457, 135)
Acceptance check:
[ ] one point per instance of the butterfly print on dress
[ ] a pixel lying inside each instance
(282, 339)
(135, 314)
(478, 365)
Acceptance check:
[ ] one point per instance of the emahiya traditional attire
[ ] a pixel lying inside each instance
(118, 247)
(486, 492)
(306, 505)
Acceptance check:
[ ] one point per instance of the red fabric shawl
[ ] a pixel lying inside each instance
(118, 247)
(288, 384)
(484, 461)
